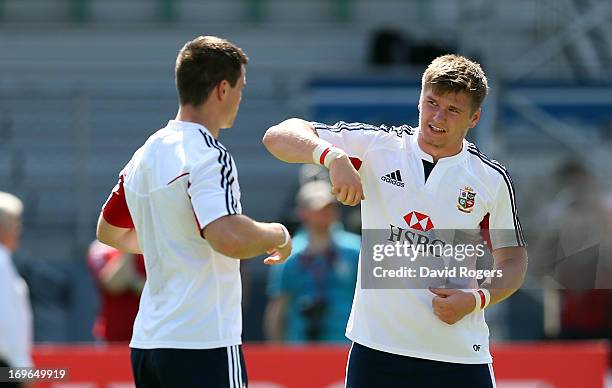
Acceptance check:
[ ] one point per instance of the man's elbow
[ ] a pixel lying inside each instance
(272, 138)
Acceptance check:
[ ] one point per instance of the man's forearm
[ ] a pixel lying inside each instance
(241, 237)
(256, 238)
(513, 274)
(292, 141)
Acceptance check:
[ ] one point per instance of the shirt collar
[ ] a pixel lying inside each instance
(186, 125)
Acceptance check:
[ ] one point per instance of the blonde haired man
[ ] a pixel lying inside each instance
(412, 182)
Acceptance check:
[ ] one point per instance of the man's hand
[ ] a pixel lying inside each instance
(346, 182)
(450, 306)
(278, 255)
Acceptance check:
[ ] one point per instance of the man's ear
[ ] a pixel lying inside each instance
(221, 90)
(475, 118)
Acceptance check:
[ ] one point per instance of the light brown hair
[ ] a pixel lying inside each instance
(204, 62)
(452, 74)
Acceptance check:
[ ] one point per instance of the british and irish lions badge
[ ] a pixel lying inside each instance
(466, 199)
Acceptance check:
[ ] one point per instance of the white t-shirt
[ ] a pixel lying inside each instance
(15, 315)
(178, 182)
(401, 321)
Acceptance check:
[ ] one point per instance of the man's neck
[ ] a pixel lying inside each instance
(200, 116)
(438, 153)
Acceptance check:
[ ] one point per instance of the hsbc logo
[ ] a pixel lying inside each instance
(418, 221)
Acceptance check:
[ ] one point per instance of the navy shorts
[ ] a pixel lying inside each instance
(189, 368)
(369, 368)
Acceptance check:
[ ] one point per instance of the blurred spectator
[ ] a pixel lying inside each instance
(120, 278)
(576, 249)
(16, 315)
(349, 216)
(311, 294)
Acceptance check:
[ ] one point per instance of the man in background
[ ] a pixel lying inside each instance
(311, 294)
(15, 309)
(120, 278)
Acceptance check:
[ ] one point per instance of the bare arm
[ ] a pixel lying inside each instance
(512, 261)
(452, 305)
(240, 237)
(123, 239)
(274, 318)
(294, 141)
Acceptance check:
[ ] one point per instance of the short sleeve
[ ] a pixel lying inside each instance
(115, 210)
(212, 188)
(355, 138)
(504, 225)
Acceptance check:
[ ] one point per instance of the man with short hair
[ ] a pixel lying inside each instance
(15, 309)
(178, 202)
(411, 181)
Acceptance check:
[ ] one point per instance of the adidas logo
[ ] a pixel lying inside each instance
(394, 178)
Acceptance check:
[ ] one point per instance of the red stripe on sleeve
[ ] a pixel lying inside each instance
(323, 155)
(115, 211)
(195, 216)
(484, 231)
(483, 299)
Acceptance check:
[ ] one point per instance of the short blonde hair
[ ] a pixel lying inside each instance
(10, 206)
(454, 74)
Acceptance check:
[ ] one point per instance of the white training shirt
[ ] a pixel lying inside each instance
(16, 316)
(389, 160)
(178, 182)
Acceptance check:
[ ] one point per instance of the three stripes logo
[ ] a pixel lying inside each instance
(395, 178)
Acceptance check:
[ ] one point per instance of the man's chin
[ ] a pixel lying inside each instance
(433, 143)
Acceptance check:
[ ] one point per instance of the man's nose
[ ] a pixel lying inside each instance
(440, 115)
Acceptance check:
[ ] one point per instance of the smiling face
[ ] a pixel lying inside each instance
(444, 120)
(452, 90)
